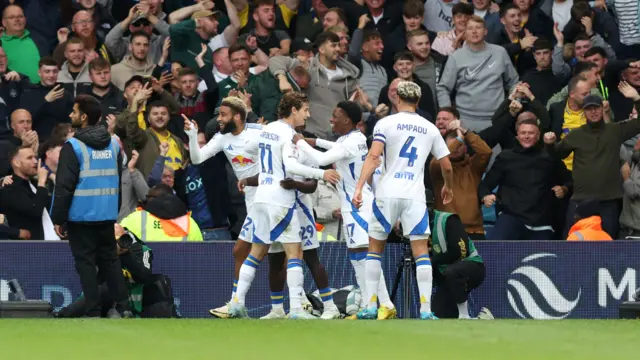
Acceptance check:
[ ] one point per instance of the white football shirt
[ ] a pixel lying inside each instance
(277, 160)
(237, 149)
(348, 153)
(408, 139)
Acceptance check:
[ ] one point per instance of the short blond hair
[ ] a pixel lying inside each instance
(338, 28)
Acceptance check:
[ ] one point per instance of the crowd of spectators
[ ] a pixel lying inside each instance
(536, 99)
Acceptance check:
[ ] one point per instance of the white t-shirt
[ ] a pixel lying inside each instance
(333, 73)
(277, 160)
(348, 153)
(377, 18)
(561, 12)
(438, 15)
(408, 140)
(237, 149)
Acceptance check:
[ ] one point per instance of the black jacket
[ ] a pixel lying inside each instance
(214, 178)
(540, 25)
(522, 59)
(603, 24)
(620, 105)
(426, 100)
(543, 84)
(8, 143)
(46, 115)
(390, 21)
(9, 233)
(396, 42)
(525, 178)
(502, 119)
(113, 102)
(556, 114)
(10, 93)
(23, 208)
(68, 172)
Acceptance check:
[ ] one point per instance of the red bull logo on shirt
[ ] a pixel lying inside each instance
(242, 161)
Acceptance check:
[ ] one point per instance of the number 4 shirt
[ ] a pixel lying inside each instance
(408, 139)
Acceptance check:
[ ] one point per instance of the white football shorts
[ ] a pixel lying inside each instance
(412, 214)
(307, 234)
(274, 223)
(356, 227)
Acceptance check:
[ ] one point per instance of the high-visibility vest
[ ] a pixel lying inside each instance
(96, 195)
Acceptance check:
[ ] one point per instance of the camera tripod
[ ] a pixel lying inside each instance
(406, 272)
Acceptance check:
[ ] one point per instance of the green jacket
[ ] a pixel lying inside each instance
(228, 84)
(596, 161)
(266, 103)
(448, 247)
(23, 55)
(186, 44)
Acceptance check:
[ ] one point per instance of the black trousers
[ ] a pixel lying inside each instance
(94, 245)
(454, 285)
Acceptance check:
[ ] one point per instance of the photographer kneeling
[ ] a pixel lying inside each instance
(149, 295)
(457, 266)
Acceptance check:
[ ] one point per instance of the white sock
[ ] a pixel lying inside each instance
(277, 300)
(358, 263)
(383, 293)
(247, 273)
(373, 269)
(234, 289)
(326, 295)
(463, 311)
(295, 282)
(424, 276)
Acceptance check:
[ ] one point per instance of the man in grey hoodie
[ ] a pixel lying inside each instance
(118, 43)
(138, 63)
(333, 79)
(479, 73)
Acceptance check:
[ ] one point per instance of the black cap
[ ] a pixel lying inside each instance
(135, 78)
(592, 100)
(301, 45)
(141, 22)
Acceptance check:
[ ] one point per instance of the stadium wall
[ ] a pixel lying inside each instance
(541, 280)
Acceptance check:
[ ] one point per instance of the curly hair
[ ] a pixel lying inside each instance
(236, 105)
(289, 101)
(409, 92)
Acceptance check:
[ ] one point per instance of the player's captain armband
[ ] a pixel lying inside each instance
(380, 137)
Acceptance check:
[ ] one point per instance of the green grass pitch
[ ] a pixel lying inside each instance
(327, 340)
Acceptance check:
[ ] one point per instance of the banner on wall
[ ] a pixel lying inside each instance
(539, 280)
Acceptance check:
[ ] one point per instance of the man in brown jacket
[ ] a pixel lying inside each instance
(147, 142)
(467, 173)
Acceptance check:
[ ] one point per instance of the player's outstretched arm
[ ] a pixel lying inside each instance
(308, 186)
(198, 155)
(334, 154)
(294, 167)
